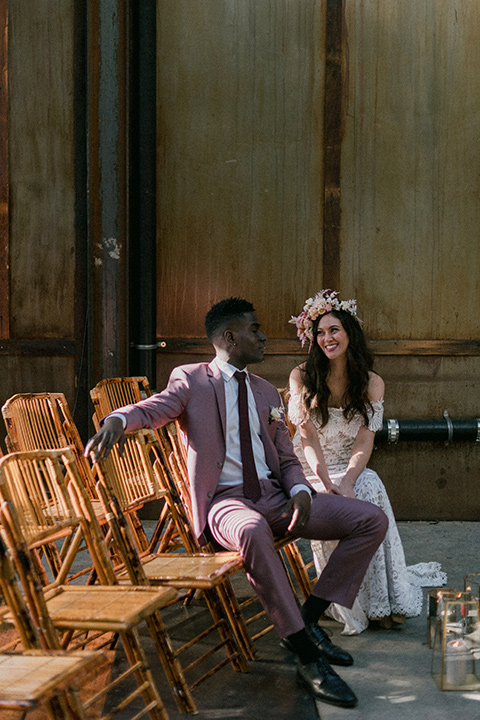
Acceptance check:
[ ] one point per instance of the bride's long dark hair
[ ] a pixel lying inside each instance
(359, 363)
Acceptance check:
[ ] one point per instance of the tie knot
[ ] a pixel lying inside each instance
(240, 376)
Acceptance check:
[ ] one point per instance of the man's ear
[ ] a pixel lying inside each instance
(229, 337)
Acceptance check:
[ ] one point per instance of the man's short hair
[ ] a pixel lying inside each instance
(223, 312)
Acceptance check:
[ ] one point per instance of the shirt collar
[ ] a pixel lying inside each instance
(227, 369)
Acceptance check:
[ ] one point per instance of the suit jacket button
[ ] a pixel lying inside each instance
(220, 465)
(209, 494)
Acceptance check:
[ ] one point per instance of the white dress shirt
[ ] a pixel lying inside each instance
(232, 468)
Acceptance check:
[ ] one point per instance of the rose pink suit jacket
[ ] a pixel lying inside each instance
(195, 394)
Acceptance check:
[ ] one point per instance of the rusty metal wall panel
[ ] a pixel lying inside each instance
(429, 481)
(411, 167)
(240, 152)
(4, 217)
(41, 148)
(108, 93)
(410, 217)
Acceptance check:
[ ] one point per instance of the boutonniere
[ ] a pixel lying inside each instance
(275, 414)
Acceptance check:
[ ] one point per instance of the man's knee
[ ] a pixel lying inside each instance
(255, 533)
(379, 520)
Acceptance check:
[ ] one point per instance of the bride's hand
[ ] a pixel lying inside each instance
(334, 490)
(346, 490)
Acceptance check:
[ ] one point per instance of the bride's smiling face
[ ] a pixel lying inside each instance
(332, 338)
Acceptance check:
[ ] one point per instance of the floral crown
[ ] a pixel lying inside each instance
(321, 303)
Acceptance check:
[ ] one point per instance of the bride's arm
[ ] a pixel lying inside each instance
(310, 440)
(363, 445)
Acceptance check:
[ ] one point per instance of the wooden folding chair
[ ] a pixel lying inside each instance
(109, 395)
(98, 610)
(41, 674)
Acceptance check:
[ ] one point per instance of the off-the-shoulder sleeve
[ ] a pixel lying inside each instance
(297, 412)
(375, 416)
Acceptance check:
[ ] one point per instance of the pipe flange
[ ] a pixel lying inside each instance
(393, 429)
(449, 427)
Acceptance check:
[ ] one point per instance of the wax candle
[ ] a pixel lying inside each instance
(456, 662)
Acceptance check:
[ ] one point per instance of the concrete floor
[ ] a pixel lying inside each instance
(391, 672)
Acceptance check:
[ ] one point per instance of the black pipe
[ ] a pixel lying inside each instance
(445, 430)
(143, 264)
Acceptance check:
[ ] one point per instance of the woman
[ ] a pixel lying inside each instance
(336, 402)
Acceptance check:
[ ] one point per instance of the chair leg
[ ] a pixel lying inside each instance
(57, 710)
(225, 628)
(295, 560)
(138, 530)
(163, 527)
(171, 666)
(234, 614)
(146, 683)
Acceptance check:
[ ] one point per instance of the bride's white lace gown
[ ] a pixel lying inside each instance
(389, 587)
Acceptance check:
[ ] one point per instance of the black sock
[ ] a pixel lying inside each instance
(306, 650)
(313, 608)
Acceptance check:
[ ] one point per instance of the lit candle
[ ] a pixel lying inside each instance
(456, 662)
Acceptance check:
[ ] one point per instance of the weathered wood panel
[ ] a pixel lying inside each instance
(4, 219)
(240, 138)
(36, 374)
(409, 246)
(411, 167)
(41, 146)
(428, 481)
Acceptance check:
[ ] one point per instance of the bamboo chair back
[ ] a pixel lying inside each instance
(132, 472)
(109, 608)
(133, 469)
(112, 393)
(42, 421)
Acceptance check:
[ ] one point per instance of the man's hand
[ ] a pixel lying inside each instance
(299, 506)
(102, 443)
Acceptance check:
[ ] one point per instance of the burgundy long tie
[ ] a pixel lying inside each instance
(251, 486)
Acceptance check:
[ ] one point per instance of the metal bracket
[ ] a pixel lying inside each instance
(393, 428)
(449, 427)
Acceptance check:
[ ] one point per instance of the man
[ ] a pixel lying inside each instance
(247, 486)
